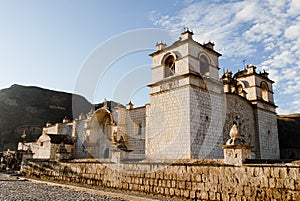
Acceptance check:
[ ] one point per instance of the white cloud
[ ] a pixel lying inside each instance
(291, 87)
(249, 12)
(293, 31)
(290, 74)
(294, 9)
(264, 31)
(282, 111)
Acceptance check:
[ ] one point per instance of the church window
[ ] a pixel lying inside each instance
(240, 90)
(264, 91)
(169, 66)
(204, 66)
(139, 129)
(106, 153)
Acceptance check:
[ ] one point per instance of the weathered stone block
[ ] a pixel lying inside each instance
(297, 185)
(151, 182)
(174, 184)
(264, 182)
(202, 195)
(272, 183)
(159, 183)
(247, 190)
(234, 199)
(125, 186)
(186, 193)
(267, 171)
(275, 172)
(212, 196)
(172, 192)
(197, 178)
(177, 192)
(289, 184)
(181, 184)
(188, 185)
(147, 189)
(293, 173)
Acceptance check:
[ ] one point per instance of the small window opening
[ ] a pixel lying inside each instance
(264, 92)
(169, 66)
(106, 153)
(204, 66)
(240, 90)
(140, 129)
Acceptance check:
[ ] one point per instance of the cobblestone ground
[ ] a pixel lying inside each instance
(12, 189)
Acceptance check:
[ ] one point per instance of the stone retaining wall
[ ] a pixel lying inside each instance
(197, 180)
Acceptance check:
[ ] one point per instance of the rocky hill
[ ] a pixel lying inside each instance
(30, 108)
(289, 135)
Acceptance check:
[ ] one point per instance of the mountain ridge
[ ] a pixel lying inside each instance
(29, 108)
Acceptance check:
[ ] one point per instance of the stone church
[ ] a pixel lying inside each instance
(189, 116)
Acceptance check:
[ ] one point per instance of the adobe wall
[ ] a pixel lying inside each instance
(197, 180)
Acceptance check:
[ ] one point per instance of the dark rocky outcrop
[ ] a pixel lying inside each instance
(30, 108)
(289, 135)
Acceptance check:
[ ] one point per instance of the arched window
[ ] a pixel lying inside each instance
(204, 66)
(264, 91)
(169, 66)
(240, 89)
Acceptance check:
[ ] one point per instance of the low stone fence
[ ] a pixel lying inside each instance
(194, 180)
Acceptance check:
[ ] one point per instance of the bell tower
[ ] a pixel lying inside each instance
(259, 91)
(184, 94)
(185, 56)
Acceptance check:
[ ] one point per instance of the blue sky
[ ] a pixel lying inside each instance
(47, 43)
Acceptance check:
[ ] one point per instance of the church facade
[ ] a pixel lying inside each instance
(190, 113)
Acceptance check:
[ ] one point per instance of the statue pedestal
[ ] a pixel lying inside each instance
(118, 155)
(236, 154)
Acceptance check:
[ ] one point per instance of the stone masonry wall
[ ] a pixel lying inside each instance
(268, 134)
(132, 124)
(168, 135)
(197, 180)
(80, 149)
(207, 120)
(240, 111)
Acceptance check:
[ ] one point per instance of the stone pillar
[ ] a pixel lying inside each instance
(118, 155)
(236, 154)
(235, 151)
